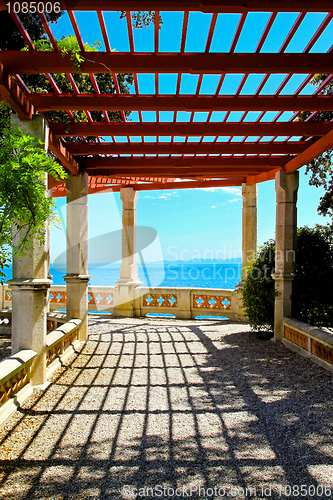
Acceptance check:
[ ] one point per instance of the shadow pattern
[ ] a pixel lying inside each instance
(174, 409)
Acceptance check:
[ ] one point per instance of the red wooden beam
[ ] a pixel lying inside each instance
(198, 63)
(180, 173)
(192, 129)
(192, 5)
(310, 153)
(12, 93)
(65, 158)
(60, 190)
(193, 166)
(171, 185)
(101, 102)
(79, 148)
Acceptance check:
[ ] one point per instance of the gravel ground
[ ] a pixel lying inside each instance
(151, 405)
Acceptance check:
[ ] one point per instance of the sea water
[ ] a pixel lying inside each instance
(188, 274)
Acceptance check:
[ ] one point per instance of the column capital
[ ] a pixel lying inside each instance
(288, 183)
(129, 197)
(30, 283)
(77, 278)
(284, 277)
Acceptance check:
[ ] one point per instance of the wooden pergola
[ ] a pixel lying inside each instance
(244, 156)
(163, 156)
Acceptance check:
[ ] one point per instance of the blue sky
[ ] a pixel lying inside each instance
(199, 222)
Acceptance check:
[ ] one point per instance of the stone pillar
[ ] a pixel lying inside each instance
(127, 302)
(30, 284)
(249, 226)
(286, 186)
(77, 251)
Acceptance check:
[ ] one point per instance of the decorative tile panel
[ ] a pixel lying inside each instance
(322, 351)
(296, 337)
(100, 299)
(57, 297)
(160, 300)
(211, 302)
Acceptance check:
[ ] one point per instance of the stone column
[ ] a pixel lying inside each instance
(286, 186)
(30, 284)
(128, 281)
(77, 251)
(249, 226)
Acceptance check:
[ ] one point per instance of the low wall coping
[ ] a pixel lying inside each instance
(311, 331)
(61, 332)
(11, 365)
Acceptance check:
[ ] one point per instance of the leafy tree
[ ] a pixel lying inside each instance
(321, 167)
(23, 167)
(10, 37)
(70, 45)
(312, 297)
(258, 292)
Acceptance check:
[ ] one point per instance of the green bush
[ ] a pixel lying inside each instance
(312, 297)
(258, 292)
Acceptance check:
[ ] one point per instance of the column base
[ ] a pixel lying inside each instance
(29, 323)
(128, 298)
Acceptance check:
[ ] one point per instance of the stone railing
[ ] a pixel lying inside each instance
(189, 303)
(186, 303)
(60, 343)
(309, 341)
(15, 372)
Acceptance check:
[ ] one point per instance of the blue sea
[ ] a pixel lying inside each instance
(194, 274)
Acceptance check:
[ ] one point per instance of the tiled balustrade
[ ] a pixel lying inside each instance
(181, 302)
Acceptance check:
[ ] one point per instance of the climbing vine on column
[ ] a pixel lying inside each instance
(24, 165)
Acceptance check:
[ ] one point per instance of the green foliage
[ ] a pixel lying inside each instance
(10, 37)
(24, 166)
(258, 292)
(69, 45)
(142, 19)
(321, 167)
(312, 297)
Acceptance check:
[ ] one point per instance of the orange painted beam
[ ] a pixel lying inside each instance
(310, 128)
(32, 63)
(264, 176)
(310, 153)
(114, 102)
(83, 148)
(12, 93)
(65, 158)
(193, 5)
(189, 162)
(59, 191)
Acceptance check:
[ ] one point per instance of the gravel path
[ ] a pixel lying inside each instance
(165, 404)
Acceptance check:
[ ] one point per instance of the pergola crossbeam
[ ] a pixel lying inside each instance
(310, 128)
(113, 102)
(79, 148)
(12, 93)
(32, 63)
(216, 6)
